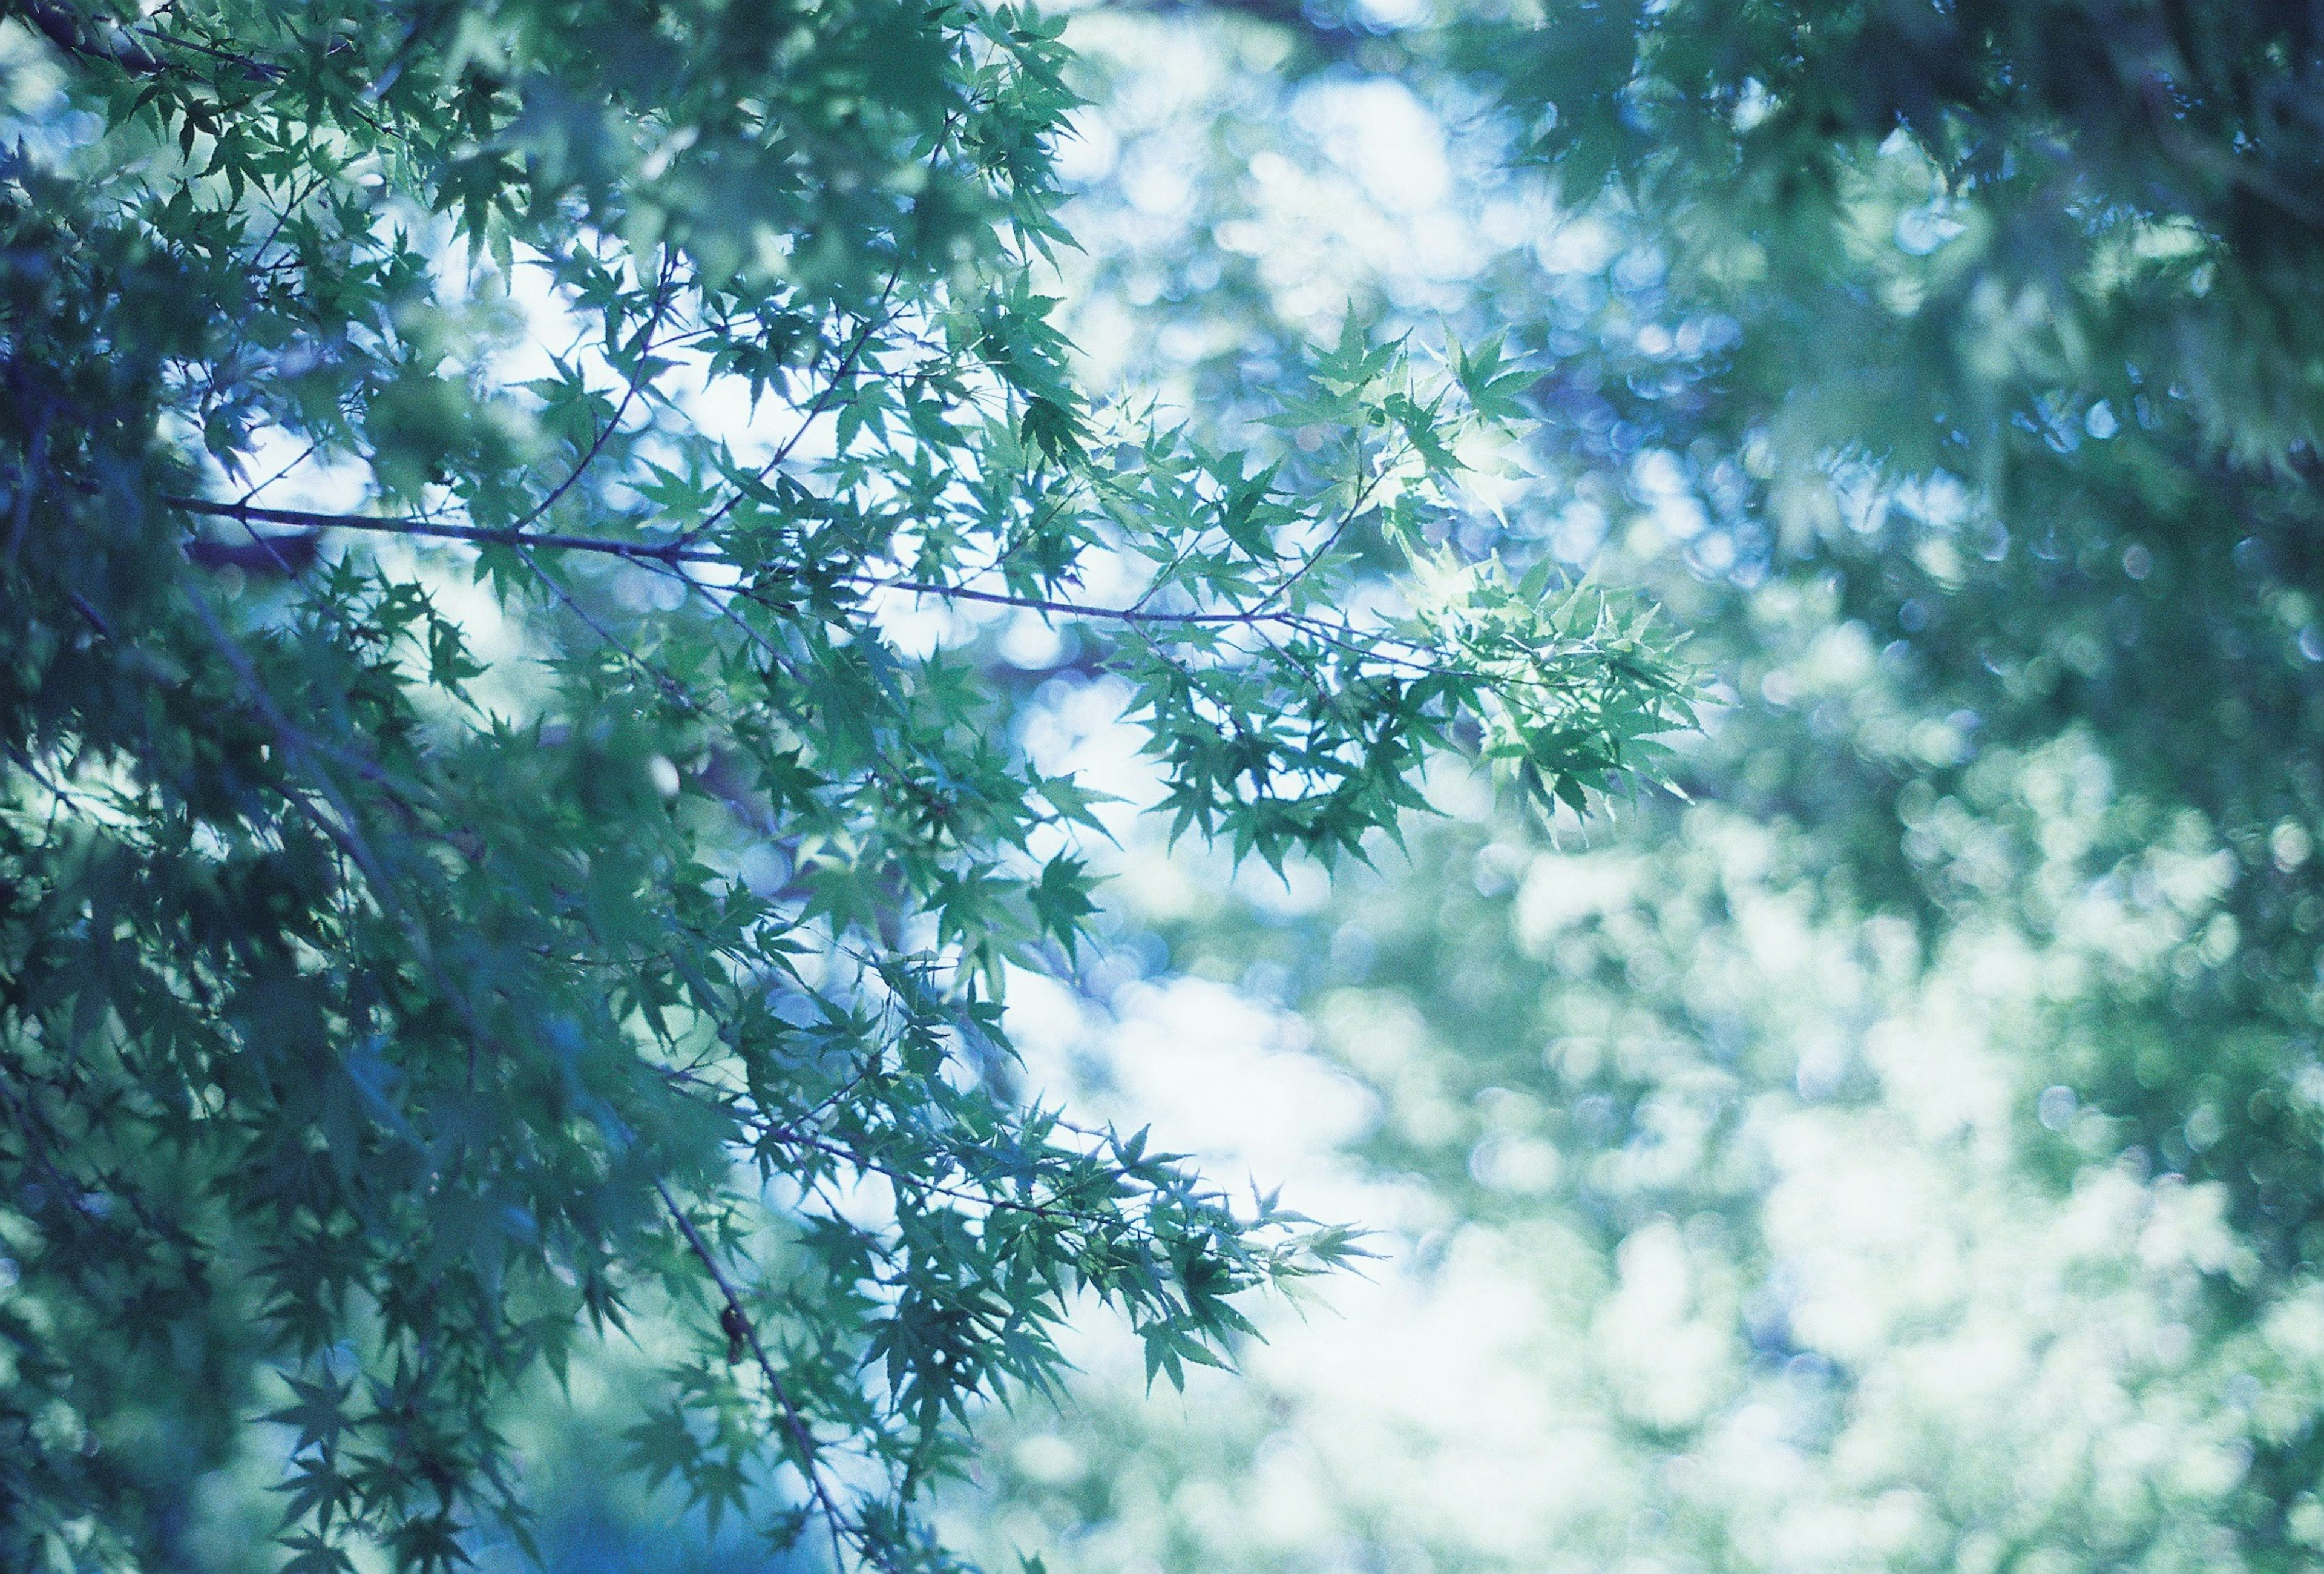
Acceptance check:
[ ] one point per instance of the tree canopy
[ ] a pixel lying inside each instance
(512, 824)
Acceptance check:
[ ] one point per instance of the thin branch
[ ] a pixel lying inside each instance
(57, 791)
(671, 688)
(672, 552)
(784, 1134)
(310, 519)
(664, 293)
(1348, 517)
(814, 410)
(262, 69)
(1130, 614)
(667, 555)
(809, 1453)
(872, 323)
(304, 455)
(344, 829)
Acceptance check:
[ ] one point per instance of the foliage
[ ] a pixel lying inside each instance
(512, 825)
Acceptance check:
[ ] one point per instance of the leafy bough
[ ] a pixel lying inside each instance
(1279, 718)
(585, 904)
(1273, 707)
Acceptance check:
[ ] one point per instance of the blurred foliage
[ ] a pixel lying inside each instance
(1903, 1153)
(511, 833)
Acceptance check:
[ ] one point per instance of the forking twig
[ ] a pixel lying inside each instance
(739, 1320)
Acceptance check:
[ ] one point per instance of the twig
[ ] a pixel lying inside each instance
(835, 1520)
(871, 322)
(669, 552)
(664, 290)
(346, 831)
(814, 410)
(672, 552)
(786, 1134)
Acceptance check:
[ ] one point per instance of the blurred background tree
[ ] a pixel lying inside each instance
(1905, 1152)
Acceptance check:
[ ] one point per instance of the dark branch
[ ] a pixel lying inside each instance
(668, 555)
(265, 556)
(89, 39)
(672, 552)
(75, 35)
(737, 1322)
(310, 519)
